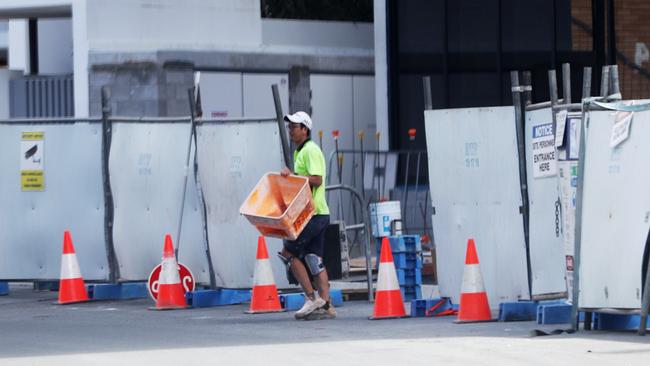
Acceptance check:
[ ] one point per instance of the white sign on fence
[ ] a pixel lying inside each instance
(544, 162)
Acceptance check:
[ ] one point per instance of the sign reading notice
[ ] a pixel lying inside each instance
(544, 162)
(31, 161)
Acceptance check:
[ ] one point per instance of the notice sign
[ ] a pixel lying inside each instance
(544, 163)
(31, 161)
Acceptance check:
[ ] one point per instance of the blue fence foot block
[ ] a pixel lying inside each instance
(424, 307)
(295, 301)
(517, 311)
(604, 321)
(207, 298)
(4, 288)
(554, 314)
(119, 291)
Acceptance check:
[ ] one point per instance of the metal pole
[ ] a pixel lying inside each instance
(339, 163)
(645, 303)
(528, 87)
(552, 86)
(604, 81)
(320, 139)
(288, 161)
(376, 167)
(566, 82)
(521, 150)
(613, 76)
(363, 167)
(405, 195)
(586, 82)
(426, 85)
(190, 93)
(107, 132)
(417, 186)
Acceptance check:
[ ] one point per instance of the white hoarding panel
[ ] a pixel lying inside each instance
(615, 213)
(221, 94)
(232, 158)
(545, 207)
(474, 180)
(67, 196)
(147, 171)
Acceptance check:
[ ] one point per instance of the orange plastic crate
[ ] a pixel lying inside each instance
(263, 210)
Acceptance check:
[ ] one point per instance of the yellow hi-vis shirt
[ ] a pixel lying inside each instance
(308, 160)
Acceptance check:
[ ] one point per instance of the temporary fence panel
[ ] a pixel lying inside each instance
(545, 233)
(474, 180)
(615, 212)
(567, 174)
(147, 166)
(63, 161)
(232, 157)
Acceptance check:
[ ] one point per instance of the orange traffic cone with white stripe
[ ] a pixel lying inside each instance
(265, 294)
(474, 305)
(171, 294)
(388, 297)
(71, 284)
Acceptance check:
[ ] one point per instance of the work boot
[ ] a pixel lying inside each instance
(326, 311)
(309, 307)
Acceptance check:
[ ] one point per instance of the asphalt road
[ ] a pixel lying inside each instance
(35, 331)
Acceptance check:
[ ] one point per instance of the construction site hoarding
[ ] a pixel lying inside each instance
(615, 214)
(51, 181)
(147, 168)
(232, 157)
(545, 206)
(474, 181)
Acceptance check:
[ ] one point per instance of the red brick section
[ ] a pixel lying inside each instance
(632, 27)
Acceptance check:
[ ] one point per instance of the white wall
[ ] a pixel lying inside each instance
(55, 46)
(381, 72)
(4, 30)
(311, 33)
(18, 50)
(142, 25)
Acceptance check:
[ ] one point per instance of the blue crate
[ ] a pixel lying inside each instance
(553, 313)
(420, 307)
(118, 291)
(409, 277)
(407, 260)
(605, 321)
(209, 298)
(411, 292)
(517, 311)
(405, 243)
(4, 288)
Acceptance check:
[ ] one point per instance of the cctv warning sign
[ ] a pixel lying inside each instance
(31, 161)
(544, 161)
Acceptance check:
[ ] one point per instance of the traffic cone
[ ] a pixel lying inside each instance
(171, 294)
(474, 305)
(388, 297)
(265, 294)
(71, 284)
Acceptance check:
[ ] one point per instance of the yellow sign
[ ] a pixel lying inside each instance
(32, 177)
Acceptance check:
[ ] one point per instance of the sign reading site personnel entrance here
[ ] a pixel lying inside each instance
(31, 161)
(544, 163)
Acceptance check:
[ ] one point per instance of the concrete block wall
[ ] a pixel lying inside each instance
(145, 88)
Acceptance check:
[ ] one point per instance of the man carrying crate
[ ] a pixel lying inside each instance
(306, 252)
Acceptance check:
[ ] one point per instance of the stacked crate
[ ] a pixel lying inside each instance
(407, 255)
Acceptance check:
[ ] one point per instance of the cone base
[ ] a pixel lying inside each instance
(72, 291)
(265, 299)
(388, 304)
(474, 307)
(168, 308)
(264, 311)
(171, 297)
(474, 321)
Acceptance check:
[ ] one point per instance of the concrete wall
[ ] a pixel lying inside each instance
(5, 76)
(18, 45)
(312, 33)
(171, 24)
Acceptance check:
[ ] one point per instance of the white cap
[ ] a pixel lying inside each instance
(299, 117)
